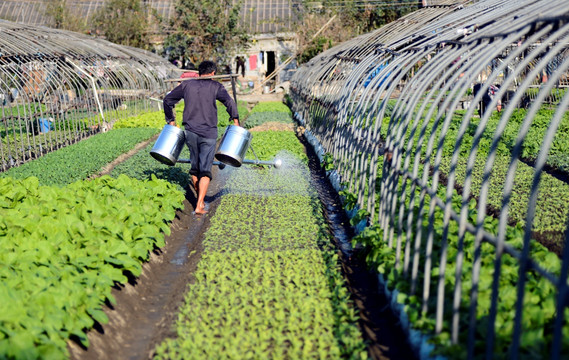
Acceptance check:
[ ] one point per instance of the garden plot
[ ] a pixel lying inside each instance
(150, 252)
(550, 219)
(66, 242)
(268, 284)
(539, 294)
(63, 249)
(83, 159)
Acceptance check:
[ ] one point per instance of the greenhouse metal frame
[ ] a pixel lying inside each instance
(427, 124)
(58, 87)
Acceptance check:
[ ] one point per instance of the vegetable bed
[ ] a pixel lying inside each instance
(270, 111)
(268, 284)
(63, 248)
(551, 215)
(65, 245)
(539, 297)
(83, 159)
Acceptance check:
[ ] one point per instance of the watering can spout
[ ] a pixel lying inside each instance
(276, 163)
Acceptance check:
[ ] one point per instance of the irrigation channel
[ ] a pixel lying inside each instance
(147, 307)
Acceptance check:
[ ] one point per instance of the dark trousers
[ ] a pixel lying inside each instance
(202, 151)
(242, 66)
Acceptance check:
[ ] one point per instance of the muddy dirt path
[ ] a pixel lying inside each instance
(146, 308)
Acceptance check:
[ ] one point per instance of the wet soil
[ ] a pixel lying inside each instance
(146, 307)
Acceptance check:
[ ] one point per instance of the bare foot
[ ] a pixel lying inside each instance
(201, 209)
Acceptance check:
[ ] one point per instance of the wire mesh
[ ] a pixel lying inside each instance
(449, 128)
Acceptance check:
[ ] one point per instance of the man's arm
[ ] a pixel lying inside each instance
(169, 101)
(230, 105)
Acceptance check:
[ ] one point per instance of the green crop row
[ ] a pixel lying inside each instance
(22, 110)
(19, 147)
(143, 166)
(83, 159)
(271, 106)
(539, 298)
(63, 248)
(14, 129)
(267, 144)
(19, 143)
(552, 210)
(156, 119)
(268, 285)
(259, 118)
(532, 143)
(535, 137)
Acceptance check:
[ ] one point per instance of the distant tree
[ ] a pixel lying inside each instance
(314, 47)
(64, 17)
(353, 18)
(205, 29)
(125, 22)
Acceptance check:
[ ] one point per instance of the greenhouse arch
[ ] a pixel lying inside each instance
(446, 132)
(58, 87)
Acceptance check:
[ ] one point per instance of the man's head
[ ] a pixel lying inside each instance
(207, 68)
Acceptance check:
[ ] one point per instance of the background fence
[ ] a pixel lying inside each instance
(57, 87)
(448, 129)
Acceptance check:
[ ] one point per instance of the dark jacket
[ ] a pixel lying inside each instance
(200, 110)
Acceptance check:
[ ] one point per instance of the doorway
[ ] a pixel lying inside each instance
(271, 63)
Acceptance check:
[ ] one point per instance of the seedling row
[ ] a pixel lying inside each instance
(269, 284)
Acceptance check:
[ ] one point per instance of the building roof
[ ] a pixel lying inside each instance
(259, 16)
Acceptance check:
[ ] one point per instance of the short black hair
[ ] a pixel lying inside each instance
(207, 67)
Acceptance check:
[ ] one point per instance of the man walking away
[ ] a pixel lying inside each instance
(200, 123)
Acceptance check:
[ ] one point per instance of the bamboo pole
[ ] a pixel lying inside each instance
(225, 76)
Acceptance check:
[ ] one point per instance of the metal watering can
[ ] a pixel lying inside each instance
(231, 151)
